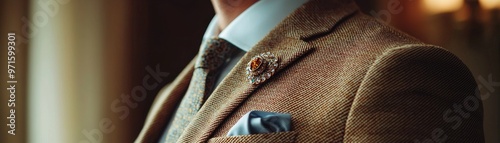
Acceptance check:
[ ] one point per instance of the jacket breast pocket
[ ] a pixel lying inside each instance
(281, 137)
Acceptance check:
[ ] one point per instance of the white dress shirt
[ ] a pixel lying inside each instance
(247, 30)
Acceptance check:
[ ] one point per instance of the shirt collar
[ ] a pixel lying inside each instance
(255, 23)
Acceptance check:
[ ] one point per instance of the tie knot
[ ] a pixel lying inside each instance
(215, 53)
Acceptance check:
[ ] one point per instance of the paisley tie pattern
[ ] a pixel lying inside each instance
(215, 54)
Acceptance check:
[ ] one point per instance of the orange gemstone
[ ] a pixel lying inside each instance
(255, 63)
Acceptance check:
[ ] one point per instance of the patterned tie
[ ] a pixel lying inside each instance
(215, 54)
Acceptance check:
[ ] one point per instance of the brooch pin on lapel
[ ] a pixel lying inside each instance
(261, 68)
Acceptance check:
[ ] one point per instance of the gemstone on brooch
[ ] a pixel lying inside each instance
(261, 67)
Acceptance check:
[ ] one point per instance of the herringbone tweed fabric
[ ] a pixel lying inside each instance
(344, 77)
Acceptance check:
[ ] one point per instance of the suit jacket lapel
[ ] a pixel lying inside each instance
(288, 42)
(234, 89)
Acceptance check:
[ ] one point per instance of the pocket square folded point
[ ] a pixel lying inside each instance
(261, 122)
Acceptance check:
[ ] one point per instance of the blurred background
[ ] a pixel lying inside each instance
(79, 61)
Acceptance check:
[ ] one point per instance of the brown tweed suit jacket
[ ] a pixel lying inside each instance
(344, 77)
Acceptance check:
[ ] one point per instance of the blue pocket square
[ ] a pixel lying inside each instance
(260, 122)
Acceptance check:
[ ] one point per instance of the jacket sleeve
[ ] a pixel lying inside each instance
(416, 93)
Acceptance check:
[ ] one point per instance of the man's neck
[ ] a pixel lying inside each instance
(228, 10)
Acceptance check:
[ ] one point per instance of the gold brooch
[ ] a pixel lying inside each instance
(261, 68)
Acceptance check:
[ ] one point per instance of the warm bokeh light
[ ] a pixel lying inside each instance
(441, 6)
(490, 4)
